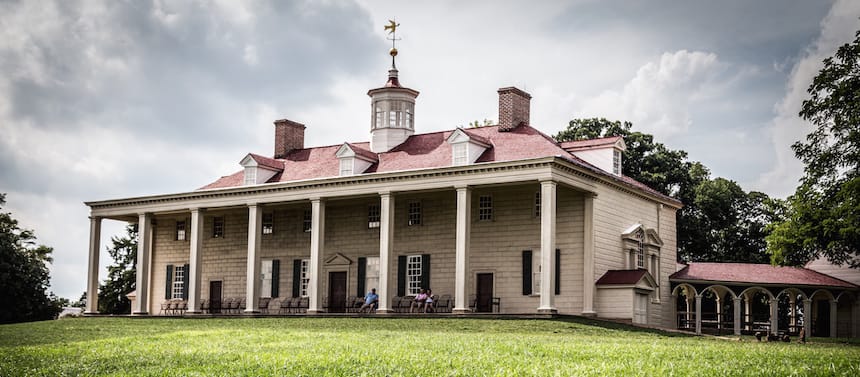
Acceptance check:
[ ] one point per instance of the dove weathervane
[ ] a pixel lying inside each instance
(392, 29)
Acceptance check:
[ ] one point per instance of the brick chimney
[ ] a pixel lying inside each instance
(513, 108)
(289, 135)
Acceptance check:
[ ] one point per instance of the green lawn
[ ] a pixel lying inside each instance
(386, 346)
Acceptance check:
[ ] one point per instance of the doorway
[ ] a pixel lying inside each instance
(336, 291)
(484, 297)
(215, 296)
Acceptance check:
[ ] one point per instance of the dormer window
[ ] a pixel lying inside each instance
(466, 148)
(354, 160)
(259, 169)
(616, 162)
(251, 175)
(604, 153)
(346, 166)
(460, 154)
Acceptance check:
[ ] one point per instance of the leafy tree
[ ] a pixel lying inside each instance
(24, 274)
(824, 215)
(719, 221)
(121, 274)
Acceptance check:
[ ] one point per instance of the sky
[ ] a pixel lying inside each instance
(103, 99)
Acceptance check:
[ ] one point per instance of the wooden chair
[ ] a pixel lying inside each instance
(285, 305)
(263, 305)
(165, 307)
(303, 305)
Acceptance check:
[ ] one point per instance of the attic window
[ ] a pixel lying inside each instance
(616, 162)
(250, 175)
(460, 154)
(346, 166)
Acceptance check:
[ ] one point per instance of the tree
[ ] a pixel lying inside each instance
(824, 214)
(24, 274)
(121, 274)
(719, 220)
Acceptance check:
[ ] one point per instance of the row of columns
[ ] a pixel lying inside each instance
(386, 236)
(774, 315)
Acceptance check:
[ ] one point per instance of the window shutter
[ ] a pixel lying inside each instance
(168, 283)
(276, 278)
(557, 271)
(401, 275)
(297, 277)
(362, 273)
(527, 272)
(185, 282)
(425, 271)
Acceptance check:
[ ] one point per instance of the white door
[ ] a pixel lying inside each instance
(640, 309)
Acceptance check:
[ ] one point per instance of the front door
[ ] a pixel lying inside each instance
(485, 293)
(215, 296)
(336, 291)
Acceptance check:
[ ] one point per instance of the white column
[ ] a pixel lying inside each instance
(737, 307)
(807, 317)
(317, 249)
(833, 309)
(386, 245)
(588, 257)
(748, 317)
(93, 271)
(698, 314)
(719, 304)
(252, 278)
(461, 263)
(547, 247)
(774, 315)
(195, 261)
(144, 248)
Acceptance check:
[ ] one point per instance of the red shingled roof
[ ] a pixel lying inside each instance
(577, 145)
(268, 162)
(621, 277)
(430, 150)
(756, 274)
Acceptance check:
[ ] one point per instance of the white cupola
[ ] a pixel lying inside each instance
(392, 108)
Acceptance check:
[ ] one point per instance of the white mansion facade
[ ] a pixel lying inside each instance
(501, 212)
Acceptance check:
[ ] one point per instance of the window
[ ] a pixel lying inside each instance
(306, 279)
(266, 278)
(373, 216)
(413, 275)
(640, 249)
(306, 221)
(485, 208)
(218, 227)
(268, 223)
(407, 117)
(180, 230)
(537, 204)
(346, 166)
(178, 282)
(459, 153)
(380, 117)
(371, 277)
(616, 162)
(414, 213)
(392, 119)
(250, 175)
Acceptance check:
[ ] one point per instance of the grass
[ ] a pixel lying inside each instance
(386, 346)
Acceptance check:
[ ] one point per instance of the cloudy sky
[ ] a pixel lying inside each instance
(113, 99)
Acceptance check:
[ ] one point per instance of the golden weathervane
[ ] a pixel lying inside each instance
(391, 28)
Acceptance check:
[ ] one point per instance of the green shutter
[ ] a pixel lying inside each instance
(168, 283)
(297, 277)
(362, 274)
(276, 277)
(401, 275)
(557, 271)
(185, 281)
(527, 272)
(425, 271)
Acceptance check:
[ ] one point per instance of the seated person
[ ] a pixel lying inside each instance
(419, 300)
(428, 304)
(371, 300)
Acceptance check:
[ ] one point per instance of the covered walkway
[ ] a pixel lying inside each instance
(742, 298)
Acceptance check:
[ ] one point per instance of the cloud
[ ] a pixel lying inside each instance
(659, 97)
(787, 127)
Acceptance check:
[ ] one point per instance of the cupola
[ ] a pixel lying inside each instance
(392, 119)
